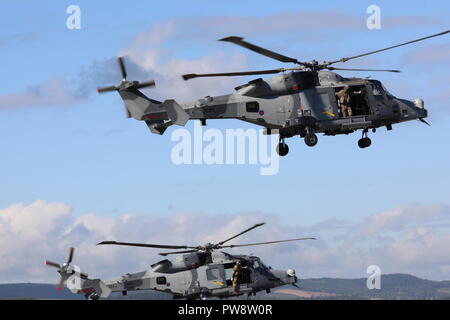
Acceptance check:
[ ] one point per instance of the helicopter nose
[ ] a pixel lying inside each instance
(412, 109)
(289, 276)
(292, 276)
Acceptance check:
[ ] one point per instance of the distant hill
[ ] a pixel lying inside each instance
(393, 286)
(35, 291)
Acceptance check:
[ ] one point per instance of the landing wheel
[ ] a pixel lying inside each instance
(364, 142)
(311, 139)
(282, 149)
(92, 296)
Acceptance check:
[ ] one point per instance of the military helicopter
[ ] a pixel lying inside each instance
(299, 102)
(197, 272)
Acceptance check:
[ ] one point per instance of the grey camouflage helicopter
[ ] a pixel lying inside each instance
(197, 272)
(299, 102)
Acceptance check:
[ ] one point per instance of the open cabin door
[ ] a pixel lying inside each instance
(358, 101)
(244, 278)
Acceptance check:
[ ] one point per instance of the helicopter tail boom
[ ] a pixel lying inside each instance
(158, 115)
(78, 282)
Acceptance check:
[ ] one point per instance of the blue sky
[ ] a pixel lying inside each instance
(76, 147)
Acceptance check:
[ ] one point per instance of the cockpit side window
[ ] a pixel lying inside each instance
(212, 274)
(257, 263)
(161, 280)
(377, 88)
(262, 264)
(252, 106)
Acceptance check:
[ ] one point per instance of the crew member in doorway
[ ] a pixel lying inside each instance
(237, 271)
(344, 100)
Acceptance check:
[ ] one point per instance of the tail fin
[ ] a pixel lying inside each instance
(138, 104)
(175, 112)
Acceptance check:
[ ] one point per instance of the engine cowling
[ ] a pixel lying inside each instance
(180, 263)
(280, 84)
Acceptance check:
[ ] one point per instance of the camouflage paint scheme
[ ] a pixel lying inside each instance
(293, 103)
(199, 272)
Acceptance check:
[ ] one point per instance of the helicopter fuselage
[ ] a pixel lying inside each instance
(300, 103)
(212, 278)
(199, 272)
(288, 102)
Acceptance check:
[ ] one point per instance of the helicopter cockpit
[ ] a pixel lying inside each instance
(257, 264)
(378, 89)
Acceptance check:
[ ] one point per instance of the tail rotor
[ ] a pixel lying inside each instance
(65, 270)
(125, 84)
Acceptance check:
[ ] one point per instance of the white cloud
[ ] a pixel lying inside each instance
(27, 221)
(407, 239)
(404, 216)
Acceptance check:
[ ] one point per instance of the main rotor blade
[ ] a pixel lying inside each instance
(242, 73)
(384, 49)
(176, 252)
(145, 245)
(268, 53)
(123, 71)
(246, 230)
(268, 242)
(352, 69)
